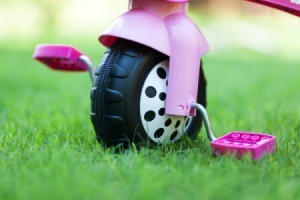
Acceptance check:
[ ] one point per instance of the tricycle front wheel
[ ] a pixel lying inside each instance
(128, 98)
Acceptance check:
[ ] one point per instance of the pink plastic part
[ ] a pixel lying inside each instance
(290, 6)
(186, 47)
(132, 26)
(161, 8)
(177, 1)
(242, 143)
(165, 27)
(60, 57)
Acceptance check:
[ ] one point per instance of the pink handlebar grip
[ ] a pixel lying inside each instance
(60, 57)
(242, 143)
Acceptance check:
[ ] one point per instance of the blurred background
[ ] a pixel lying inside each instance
(226, 23)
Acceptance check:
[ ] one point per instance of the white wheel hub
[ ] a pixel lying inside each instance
(161, 128)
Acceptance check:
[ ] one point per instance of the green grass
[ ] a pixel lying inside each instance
(48, 149)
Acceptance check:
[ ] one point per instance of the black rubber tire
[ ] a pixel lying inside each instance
(116, 94)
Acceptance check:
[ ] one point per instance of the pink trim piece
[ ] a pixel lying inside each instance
(60, 57)
(243, 143)
(290, 6)
(187, 47)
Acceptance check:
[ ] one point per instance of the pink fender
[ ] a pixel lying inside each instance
(174, 35)
(139, 26)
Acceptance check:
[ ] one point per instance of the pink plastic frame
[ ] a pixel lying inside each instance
(165, 27)
(290, 6)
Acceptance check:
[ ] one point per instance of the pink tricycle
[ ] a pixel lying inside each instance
(150, 86)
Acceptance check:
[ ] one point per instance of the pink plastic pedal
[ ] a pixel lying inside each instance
(242, 143)
(60, 57)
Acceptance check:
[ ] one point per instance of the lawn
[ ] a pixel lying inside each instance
(48, 149)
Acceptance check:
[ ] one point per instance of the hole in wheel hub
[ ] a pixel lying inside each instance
(160, 127)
